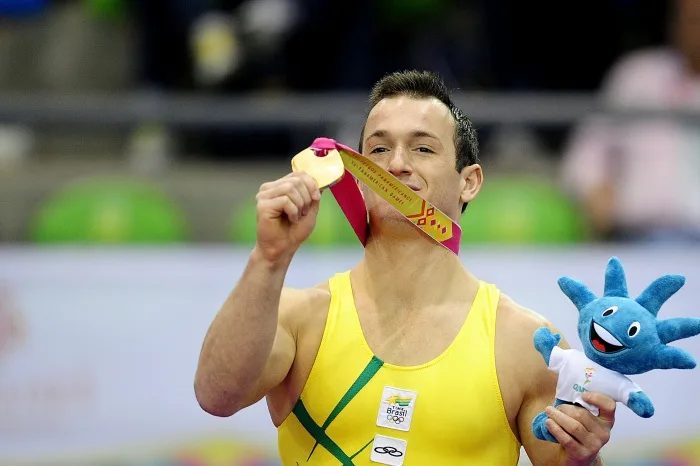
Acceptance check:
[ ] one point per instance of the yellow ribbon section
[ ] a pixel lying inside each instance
(401, 197)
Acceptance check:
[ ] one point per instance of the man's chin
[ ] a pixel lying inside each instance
(385, 212)
(390, 219)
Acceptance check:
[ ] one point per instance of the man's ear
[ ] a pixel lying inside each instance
(470, 184)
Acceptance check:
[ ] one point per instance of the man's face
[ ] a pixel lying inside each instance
(413, 139)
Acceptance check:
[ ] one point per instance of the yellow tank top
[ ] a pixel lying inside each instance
(357, 410)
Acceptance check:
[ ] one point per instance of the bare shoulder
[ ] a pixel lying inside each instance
(515, 330)
(294, 299)
(518, 321)
(301, 308)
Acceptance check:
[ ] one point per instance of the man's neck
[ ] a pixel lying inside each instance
(409, 273)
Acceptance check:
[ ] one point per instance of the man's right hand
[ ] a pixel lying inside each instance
(286, 215)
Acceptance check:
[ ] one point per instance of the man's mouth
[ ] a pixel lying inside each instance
(603, 341)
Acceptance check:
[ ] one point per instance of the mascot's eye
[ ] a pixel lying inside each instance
(610, 311)
(634, 329)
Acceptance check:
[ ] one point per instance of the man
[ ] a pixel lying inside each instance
(407, 358)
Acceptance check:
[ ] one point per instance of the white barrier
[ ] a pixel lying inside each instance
(98, 348)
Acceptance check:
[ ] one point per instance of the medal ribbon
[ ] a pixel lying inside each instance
(339, 167)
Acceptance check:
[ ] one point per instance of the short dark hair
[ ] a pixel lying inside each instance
(425, 85)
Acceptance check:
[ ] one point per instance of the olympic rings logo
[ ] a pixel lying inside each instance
(391, 451)
(395, 419)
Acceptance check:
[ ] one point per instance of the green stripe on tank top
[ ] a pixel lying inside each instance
(319, 435)
(319, 432)
(362, 380)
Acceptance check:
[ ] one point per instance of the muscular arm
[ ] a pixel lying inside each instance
(539, 394)
(249, 346)
(520, 360)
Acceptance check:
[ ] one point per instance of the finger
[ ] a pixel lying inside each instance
(597, 433)
(303, 183)
(572, 426)
(299, 194)
(277, 207)
(311, 185)
(298, 200)
(290, 188)
(590, 422)
(569, 443)
(606, 405)
(292, 197)
(291, 177)
(291, 210)
(268, 185)
(302, 186)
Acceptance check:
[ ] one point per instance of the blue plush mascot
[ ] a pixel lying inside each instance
(620, 336)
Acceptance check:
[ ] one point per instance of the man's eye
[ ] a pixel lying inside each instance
(425, 150)
(378, 150)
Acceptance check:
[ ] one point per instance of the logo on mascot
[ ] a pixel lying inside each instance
(589, 374)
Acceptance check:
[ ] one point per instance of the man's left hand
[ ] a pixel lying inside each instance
(578, 431)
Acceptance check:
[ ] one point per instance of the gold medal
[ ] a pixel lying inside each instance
(325, 170)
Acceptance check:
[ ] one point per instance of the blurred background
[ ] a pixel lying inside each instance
(134, 135)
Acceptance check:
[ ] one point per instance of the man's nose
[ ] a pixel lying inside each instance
(399, 163)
